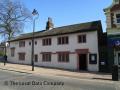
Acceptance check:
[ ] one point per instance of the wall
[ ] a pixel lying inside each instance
(92, 45)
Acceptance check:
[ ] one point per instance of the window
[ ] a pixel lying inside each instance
(29, 43)
(116, 1)
(22, 56)
(118, 18)
(63, 40)
(21, 43)
(82, 39)
(63, 57)
(46, 41)
(12, 52)
(36, 58)
(46, 57)
(35, 42)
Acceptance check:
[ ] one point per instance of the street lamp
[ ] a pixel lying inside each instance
(34, 13)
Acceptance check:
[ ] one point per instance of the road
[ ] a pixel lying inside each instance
(11, 80)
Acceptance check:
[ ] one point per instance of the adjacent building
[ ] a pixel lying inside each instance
(74, 47)
(113, 33)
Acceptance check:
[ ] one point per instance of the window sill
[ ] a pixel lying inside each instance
(82, 43)
(63, 44)
(46, 45)
(62, 62)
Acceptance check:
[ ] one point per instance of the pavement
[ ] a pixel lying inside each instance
(56, 72)
(11, 80)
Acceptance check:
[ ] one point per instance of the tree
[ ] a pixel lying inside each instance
(13, 15)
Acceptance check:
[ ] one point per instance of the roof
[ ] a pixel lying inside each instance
(75, 28)
(113, 7)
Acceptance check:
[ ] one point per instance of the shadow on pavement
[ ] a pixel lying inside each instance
(102, 79)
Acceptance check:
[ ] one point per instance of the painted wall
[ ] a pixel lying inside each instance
(91, 44)
(112, 19)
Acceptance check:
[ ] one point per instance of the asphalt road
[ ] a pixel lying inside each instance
(10, 80)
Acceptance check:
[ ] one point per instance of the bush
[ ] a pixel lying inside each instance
(1, 53)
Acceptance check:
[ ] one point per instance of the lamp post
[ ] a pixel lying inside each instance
(34, 13)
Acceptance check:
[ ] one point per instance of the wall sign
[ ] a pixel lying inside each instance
(117, 43)
(93, 58)
(114, 42)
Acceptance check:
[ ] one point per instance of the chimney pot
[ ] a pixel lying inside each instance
(49, 24)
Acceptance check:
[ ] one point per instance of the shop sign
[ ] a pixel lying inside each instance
(117, 43)
(114, 42)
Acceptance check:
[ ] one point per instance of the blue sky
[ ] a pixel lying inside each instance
(66, 12)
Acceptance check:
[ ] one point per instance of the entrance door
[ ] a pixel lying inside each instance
(82, 62)
(118, 58)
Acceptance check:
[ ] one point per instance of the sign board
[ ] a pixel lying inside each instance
(117, 43)
(114, 42)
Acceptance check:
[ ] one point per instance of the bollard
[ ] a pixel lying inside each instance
(115, 73)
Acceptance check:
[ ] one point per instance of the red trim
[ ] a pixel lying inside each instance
(82, 51)
(77, 61)
(21, 52)
(45, 52)
(63, 52)
(77, 51)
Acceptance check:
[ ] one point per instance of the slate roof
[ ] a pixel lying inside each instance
(75, 28)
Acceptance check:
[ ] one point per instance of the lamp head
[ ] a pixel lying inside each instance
(34, 12)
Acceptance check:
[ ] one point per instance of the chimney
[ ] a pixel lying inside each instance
(49, 24)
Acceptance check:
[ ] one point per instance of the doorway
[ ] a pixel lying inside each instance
(82, 61)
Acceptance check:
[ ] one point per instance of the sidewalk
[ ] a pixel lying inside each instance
(56, 72)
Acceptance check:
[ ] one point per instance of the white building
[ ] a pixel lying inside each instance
(74, 47)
